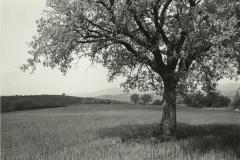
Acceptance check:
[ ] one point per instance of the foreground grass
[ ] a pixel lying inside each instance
(118, 132)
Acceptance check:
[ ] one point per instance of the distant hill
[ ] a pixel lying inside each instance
(107, 91)
(125, 97)
(14, 103)
(227, 89)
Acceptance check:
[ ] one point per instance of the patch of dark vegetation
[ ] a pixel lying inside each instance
(157, 102)
(191, 138)
(211, 99)
(205, 138)
(17, 103)
(133, 132)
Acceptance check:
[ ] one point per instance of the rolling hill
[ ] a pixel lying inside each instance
(228, 89)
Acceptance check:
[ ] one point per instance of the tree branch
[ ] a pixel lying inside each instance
(141, 27)
(181, 41)
(158, 26)
(192, 3)
(98, 26)
(162, 15)
(185, 63)
(145, 60)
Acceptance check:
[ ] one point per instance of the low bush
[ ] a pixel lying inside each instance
(157, 102)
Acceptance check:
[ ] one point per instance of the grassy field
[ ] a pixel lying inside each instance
(118, 132)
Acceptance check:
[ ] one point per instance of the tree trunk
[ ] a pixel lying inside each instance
(168, 123)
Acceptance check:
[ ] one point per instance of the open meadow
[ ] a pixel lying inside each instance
(118, 132)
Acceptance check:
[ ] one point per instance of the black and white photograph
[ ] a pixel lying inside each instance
(120, 79)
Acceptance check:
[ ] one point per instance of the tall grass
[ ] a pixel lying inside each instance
(119, 132)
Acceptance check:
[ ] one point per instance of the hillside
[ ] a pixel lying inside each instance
(14, 103)
(107, 91)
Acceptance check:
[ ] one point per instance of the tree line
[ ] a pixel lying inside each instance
(196, 99)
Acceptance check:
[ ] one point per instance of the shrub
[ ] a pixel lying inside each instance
(135, 98)
(157, 102)
(222, 101)
(194, 100)
(216, 100)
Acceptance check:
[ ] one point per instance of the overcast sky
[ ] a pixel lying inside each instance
(18, 25)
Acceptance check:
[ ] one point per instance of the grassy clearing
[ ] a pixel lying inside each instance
(118, 132)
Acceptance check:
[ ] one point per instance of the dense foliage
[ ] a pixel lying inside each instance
(200, 100)
(157, 102)
(146, 98)
(142, 40)
(135, 98)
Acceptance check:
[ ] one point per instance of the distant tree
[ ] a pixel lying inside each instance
(236, 101)
(146, 98)
(195, 99)
(216, 100)
(135, 98)
(212, 99)
(155, 44)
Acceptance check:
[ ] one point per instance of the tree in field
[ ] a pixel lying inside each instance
(146, 98)
(135, 98)
(236, 101)
(155, 44)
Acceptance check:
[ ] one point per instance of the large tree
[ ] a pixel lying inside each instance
(153, 43)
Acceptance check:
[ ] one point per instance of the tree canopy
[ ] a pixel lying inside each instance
(142, 40)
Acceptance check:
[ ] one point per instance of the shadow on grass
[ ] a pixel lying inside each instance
(196, 138)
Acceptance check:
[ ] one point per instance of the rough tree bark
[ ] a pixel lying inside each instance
(168, 123)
